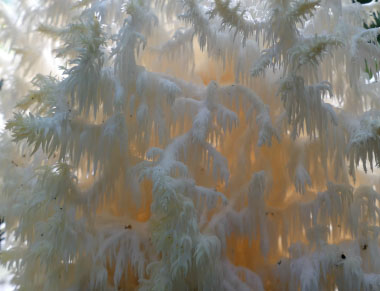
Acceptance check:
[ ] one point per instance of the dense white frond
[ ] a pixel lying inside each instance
(156, 154)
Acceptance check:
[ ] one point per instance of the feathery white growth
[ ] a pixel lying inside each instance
(46, 132)
(72, 34)
(226, 118)
(146, 160)
(123, 247)
(195, 15)
(47, 99)
(232, 281)
(350, 275)
(301, 11)
(305, 107)
(364, 48)
(83, 77)
(268, 58)
(169, 88)
(371, 282)
(256, 203)
(210, 196)
(301, 179)
(263, 119)
(142, 114)
(305, 274)
(110, 83)
(181, 41)
(233, 17)
(312, 50)
(201, 125)
(363, 140)
(207, 252)
(365, 204)
(228, 222)
(130, 40)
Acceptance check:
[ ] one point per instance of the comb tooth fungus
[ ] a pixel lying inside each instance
(190, 145)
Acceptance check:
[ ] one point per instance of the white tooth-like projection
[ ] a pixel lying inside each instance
(174, 145)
